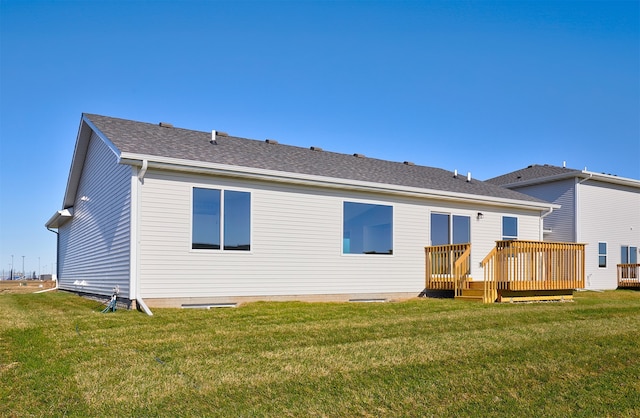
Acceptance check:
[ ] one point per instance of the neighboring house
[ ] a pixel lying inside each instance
(600, 210)
(176, 217)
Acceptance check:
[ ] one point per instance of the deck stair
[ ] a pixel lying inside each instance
(474, 292)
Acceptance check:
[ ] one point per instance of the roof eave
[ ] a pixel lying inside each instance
(174, 164)
(584, 174)
(59, 218)
(608, 178)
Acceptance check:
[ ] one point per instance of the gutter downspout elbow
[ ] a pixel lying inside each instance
(144, 306)
(143, 170)
(544, 215)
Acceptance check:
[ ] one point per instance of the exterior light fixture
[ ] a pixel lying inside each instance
(480, 215)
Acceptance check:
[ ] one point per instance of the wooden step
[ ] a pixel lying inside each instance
(476, 293)
(469, 298)
(476, 285)
(473, 292)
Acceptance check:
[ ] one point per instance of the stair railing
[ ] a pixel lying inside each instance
(462, 270)
(490, 266)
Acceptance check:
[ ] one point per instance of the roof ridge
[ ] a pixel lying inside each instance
(150, 140)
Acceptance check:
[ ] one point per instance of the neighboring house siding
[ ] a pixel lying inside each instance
(296, 244)
(94, 244)
(607, 213)
(560, 221)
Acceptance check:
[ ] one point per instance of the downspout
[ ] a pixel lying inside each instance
(57, 258)
(143, 170)
(139, 301)
(576, 202)
(544, 215)
(577, 235)
(144, 306)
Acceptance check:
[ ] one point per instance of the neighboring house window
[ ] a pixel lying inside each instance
(602, 254)
(509, 228)
(221, 219)
(367, 229)
(447, 229)
(629, 255)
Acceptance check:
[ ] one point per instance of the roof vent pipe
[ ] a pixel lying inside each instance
(564, 164)
(468, 176)
(213, 138)
(455, 173)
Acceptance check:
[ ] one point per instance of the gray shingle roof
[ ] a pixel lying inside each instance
(532, 172)
(154, 140)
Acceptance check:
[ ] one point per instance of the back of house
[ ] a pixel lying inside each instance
(176, 217)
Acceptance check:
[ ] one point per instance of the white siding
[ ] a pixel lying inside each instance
(94, 244)
(607, 213)
(296, 246)
(560, 221)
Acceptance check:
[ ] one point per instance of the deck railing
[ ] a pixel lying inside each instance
(534, 265)
(447, 266)
(628, 275)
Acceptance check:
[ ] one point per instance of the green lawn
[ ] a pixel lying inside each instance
(426, 357)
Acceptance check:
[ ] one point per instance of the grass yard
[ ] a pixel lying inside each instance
(426, 357)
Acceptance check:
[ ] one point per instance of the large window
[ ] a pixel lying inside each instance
(629, 255)
(602, 254)
(367, 229)
(221, 219)
(509, 228)
(447, 229)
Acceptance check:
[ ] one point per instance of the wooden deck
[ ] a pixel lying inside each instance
(517, 270)
(629, 276)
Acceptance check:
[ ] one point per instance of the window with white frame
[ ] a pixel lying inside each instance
(629, 254)
(367, 228)
(509, 228)
(602, 254)
(221, 219)
(448, 229)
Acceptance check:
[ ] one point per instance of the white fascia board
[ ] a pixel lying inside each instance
(539, 180)
(79, 155)
(102, 136)
(175, 164)
(59, 218)
(588, 175)
(608, 178)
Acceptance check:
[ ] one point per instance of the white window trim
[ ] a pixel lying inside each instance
(606, 255)
(451, 215)
(509, 237)
(393, 228)
(221, 250)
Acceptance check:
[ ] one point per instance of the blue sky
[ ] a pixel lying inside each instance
(486, 87)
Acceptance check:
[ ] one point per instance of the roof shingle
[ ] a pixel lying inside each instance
(532, 172)
(154, 140)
